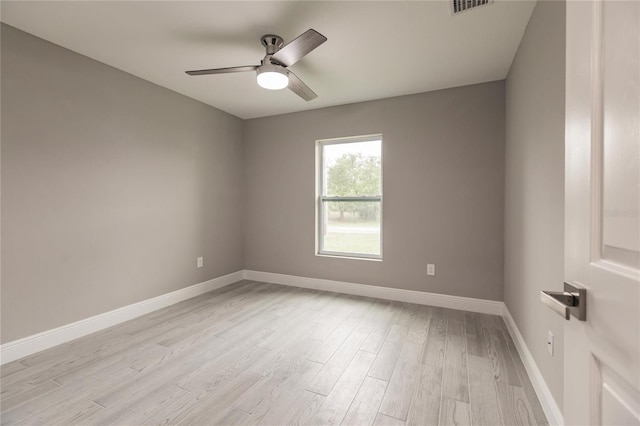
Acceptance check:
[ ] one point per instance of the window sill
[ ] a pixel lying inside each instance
(347, 257)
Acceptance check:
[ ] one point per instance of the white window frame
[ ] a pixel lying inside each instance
(321, 198)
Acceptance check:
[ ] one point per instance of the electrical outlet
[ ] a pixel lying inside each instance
(550, 343)
(431, 269)
(200, 262)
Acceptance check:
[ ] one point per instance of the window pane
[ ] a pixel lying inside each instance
(352, 227)
(352, 169)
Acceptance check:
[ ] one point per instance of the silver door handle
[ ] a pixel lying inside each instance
(571, 301)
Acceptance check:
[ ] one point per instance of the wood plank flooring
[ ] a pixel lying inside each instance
(257, 353)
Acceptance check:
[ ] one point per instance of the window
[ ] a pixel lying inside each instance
(350, 197)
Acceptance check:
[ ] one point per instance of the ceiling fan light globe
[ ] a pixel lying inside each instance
(273, 80)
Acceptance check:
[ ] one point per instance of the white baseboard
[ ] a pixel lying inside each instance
(420, 297)
(548, 402)
(29, 345)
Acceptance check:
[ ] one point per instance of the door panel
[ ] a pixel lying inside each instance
(602, 223)
(621, 154)
(616, 400)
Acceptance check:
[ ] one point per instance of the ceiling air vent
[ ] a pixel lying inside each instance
(460, 6)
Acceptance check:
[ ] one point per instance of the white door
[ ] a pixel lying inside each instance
(602, 224)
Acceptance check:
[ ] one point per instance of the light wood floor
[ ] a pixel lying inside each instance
(268, 354)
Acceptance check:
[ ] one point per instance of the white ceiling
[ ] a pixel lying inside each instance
(374, 49)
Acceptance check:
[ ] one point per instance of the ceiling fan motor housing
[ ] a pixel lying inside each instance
(272, 43)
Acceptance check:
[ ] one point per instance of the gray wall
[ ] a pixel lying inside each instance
(443, 167)
(111, 187)
(534, 198)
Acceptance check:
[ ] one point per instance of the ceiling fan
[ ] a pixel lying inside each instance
(272, 71)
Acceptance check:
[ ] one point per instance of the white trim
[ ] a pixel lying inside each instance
(548, 402)
(29, 345)
(420, 297)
